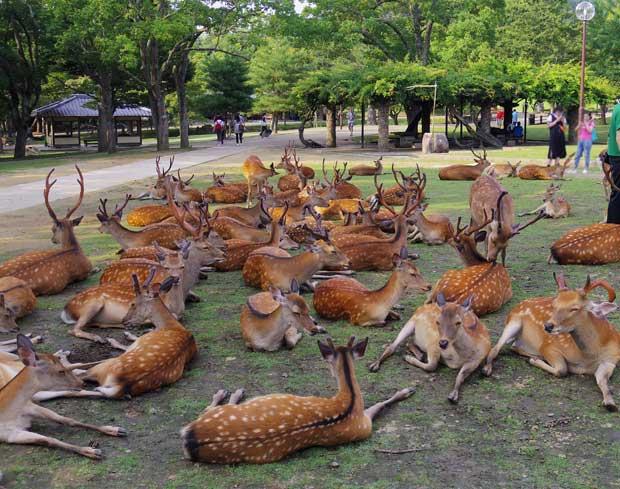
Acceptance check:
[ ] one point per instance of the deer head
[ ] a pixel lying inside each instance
(451, 319)
(109, 221)
(572, 306)
(481, 161)
(7, 316)
(62, 229)
(218, 180)
(409, 273)
(147, 294)
(330, 255)
(158, 190)
(341, 357)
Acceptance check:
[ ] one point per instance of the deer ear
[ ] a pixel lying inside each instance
(602, 309)
(359, 348)
(276, 295)
(2, 303)
(328, 353)
(396, 260)
(76, 222)
(480, 236)
(102, 219)
(468, 303)
(25, 350)
(167, 284)
(440, 299)
(294, 286)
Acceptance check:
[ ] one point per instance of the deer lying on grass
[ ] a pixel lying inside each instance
(158, 190)
(148, 214)
(446, 332)
(596, 244)
(270, 320)
(537, 172)
(502, 170)
(567, 333)
(156, 359)
(166, 234)
(252, 216)
(49, 272)
(16, 301)
(264, 270)
(405, 185)
(309, 201)
(256, 174)
(466, 172)
(297, 174)
(226, 193)
(434, 229)
(184, 193)
(338, 186)
(40, 373)
(346, 298)
(287, 423)
(554, 206)
(367, 170)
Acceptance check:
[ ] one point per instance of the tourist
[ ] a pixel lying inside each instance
(613, 152)
(585, 134)
(239, 128)
(515, 117)
(350, 121)
(557, 140)
(264, 131)
(518, 131)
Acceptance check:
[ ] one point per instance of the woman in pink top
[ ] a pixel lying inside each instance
(584, 133)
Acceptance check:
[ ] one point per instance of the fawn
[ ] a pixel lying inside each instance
(16, 301)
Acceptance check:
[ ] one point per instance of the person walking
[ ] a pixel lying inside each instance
(557, 141)
(585, 134)
(515, 117)
(264, 131)
(350, 121)
(613, 152)
(239, 128)
(219, 128)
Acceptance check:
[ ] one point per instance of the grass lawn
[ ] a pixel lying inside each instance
(520, 428)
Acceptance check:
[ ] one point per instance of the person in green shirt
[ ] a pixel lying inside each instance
(613, 152)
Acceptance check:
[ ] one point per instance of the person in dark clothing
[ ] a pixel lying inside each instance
(613, 157)
(239, 128)
(557, 140)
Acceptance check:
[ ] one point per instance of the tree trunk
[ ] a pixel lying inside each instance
(372, 116)
(331, 127)
(394, 115)
(426, 115)
(21, 136)
(572, 117)
(308, 143)
(507, 106)
(106, 132)
(604, 114)
(180, 75)
(383, 120)
(149, 53)
(484, 125)
(274, 122)
(414, 114)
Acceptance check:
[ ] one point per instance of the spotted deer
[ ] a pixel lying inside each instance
(272, 319)
(568, 333)
(466, 172)
(310, 200)
(158, 190)
(339, 187)
(595, 244)
(367, 170)
(148, 214)
(269, 428)
(183, 192)
(446, 332)
(554, 206)
(297, 174)
(256, 174)
(503, 170)
(537, 172)
(16, 301)
(153, 360)
(226, 193)
(41, 372)
(432, 229)
(405, 185)
(49, 272)
(346, 298)
(252, 216)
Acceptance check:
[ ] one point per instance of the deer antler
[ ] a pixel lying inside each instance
(381, 198)
(498, 213)
(118, 211)
(80, 182)
(538, 217)
(560, 280)
(593, 284)
(149, 279)
(179, 215)
(282, 219)
(46, 195)
(327, 181)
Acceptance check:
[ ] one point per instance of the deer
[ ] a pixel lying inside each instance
(41, 372)
(537, 172)
(256, 216)
(466, 172)
(339, 187)
(309, 202)
(166, 234)
(568, 333)
(446, 332)
(595, 244)
(406, 185)
(16, 301)
(256, 174)
(367, 170)
(148, 214)
(264, 269)
(183, 192)
(272, 319)
(297, 174)
(346, 298)
(434, 229)
(153, 360)
(158, 190)
(226, 193)
(230, 433)
(554, 206)
(49, 272)
(503, 170)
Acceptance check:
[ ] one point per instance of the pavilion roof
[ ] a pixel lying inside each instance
(83, 106)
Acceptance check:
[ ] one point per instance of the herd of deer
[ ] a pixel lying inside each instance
(180, 241)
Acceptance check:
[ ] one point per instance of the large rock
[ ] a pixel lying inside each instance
(435, 143)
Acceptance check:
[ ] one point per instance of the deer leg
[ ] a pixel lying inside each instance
(511, 332)
(406, 332)
(413, 348)
(29, 438)
(603, 373)
(291, 337)
(554, 363)
(432, 360)
(44, 413)
(465, 372)
(118, 345)
(393, 316)
(49, 395)
(87, 315)
(236, 396)
(401, 395)
(249, 201)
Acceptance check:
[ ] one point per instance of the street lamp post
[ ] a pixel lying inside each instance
(585, 12)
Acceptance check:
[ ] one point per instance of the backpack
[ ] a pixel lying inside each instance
(218, 125)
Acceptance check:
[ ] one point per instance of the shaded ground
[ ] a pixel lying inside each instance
(521, 428)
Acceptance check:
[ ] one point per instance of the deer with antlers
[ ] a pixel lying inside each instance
(256, 216)
(286, 423)
(568, 333)
(49, 272)
(148, 214)
(466, 172)
(41, 372)
(405, 185)
(157, 191)
(554, 206)
(537, 172)
(183, 192)
(256, 174)
(346, 298)
(297, 174)
(272, 319)
(447, 332)
(226, 193)
(367, 170)
(310, 199)
(339, 187)
(16, 301)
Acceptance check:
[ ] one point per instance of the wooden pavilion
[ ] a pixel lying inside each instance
(73, 122)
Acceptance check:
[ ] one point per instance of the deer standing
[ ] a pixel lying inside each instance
(554, 206)
(537, 172)
(568, 333)
(596, 244)
(270, 320)
(346, 298)
(49, 272)
(256, 174)
(367, 170)
(41, 373)
(16, 301)
(268, 428)
(466, 172)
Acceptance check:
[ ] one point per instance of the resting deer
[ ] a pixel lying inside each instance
(367, 170)
(287, 423)
(568, 333)
(264, 269)
(252, 216)
(596, 244)
(270, 320)
(256, 174)
(446, 332)
(310, 199)
(41, 373)
(434, 229)
(155, 359)
(339, 187)
(537, 172)
(166, 234)
(405, 185)
(554, 206)
(158, 190)
(346, 298)
(466, 172)
(148, 214)
(503, 170)
(16, 301)
(184, 193)
(49, 272)
(297, 174)
(226, 193)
